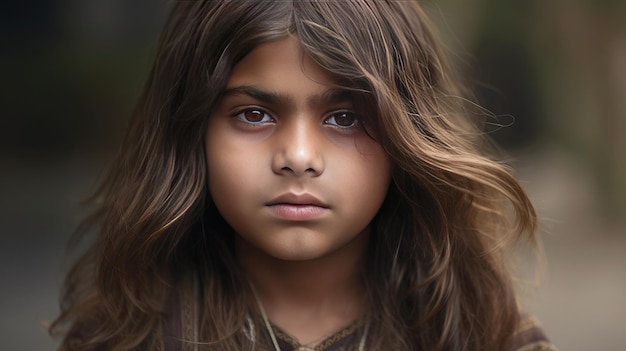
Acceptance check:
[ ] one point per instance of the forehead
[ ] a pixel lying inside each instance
(282, 65)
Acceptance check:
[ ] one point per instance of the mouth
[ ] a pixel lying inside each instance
(298, 200)
(297, 207)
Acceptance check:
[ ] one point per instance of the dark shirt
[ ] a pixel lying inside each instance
(180, 326)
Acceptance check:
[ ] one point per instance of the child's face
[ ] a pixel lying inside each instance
(290, 169)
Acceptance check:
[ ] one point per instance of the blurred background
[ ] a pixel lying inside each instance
(552, 71)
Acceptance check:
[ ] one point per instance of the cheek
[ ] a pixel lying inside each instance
(229, 158)
(373, 166)
(225, 171)
(226, 185)
(231, 166)
(367, 175)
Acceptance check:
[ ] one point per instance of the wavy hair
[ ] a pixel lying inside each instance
(436, 263)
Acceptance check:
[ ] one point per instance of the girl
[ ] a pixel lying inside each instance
(301, 175)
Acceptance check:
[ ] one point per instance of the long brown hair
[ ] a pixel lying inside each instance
(436, 264)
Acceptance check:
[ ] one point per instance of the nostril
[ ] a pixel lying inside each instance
(295, 160)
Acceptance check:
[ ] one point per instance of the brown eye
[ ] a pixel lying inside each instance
(343, 119)
(254, 116)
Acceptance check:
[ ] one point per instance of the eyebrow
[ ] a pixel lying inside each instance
(330, 96)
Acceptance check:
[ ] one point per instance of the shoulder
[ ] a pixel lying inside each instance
(530, 337)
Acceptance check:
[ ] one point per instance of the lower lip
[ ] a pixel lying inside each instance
(298, 212)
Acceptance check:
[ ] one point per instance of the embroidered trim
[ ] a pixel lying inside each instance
(326, 343)
(189, 305)
(527, 324)
(538, 346)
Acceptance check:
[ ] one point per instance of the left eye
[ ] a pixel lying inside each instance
(343, 119)
(254, 116)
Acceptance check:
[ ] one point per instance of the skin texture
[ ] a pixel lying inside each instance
(299, 180)
(299, 145)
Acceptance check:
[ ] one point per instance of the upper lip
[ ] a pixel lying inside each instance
(297, 199)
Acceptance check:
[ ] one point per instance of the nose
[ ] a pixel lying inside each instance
(298, 150)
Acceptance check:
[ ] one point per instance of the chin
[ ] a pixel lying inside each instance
(298, 254)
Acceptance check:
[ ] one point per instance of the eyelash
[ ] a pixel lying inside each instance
(240, 115)
(267, 118)
(352, 115)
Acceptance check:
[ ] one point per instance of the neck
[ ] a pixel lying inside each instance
(308, 298)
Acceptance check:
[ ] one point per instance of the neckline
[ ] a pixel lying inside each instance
(326, 342)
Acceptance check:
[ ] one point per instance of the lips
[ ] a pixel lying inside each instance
(297, 199)
(297, 207)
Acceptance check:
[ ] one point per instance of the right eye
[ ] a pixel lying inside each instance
(254, 116)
